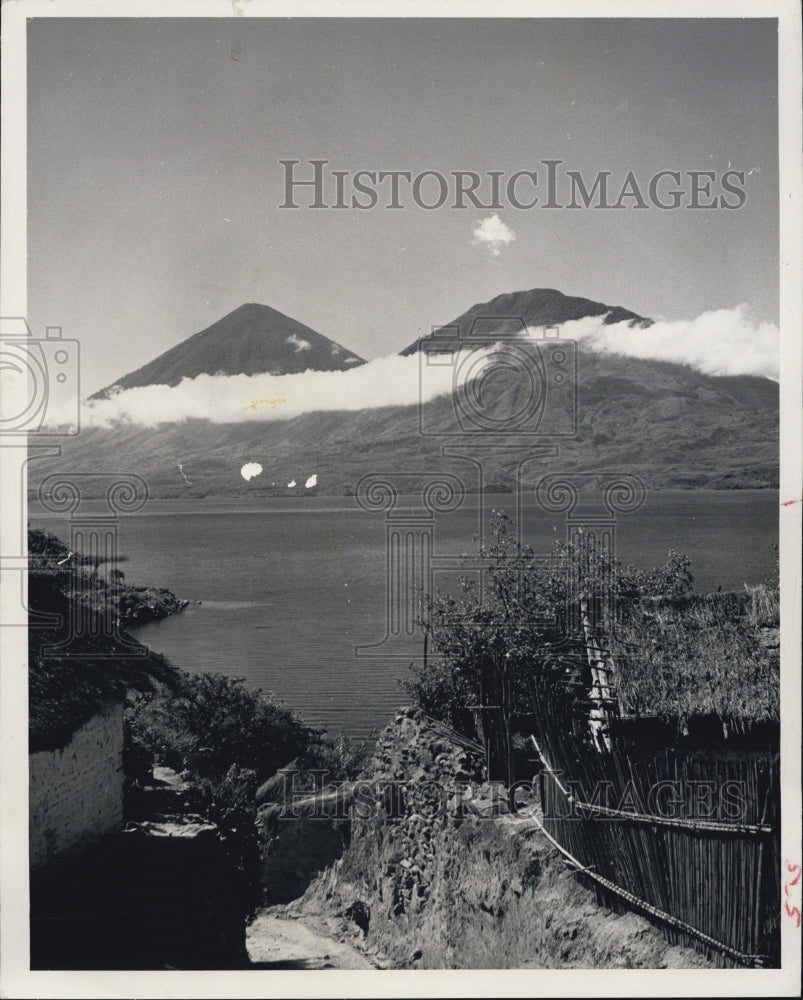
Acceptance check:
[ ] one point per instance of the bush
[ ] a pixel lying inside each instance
(231, 738)
(230, 802)
(339, 757)
(676, 654)
(502, 631)
(214, 723)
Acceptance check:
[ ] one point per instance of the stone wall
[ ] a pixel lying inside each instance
(76, 793)
(439, 875)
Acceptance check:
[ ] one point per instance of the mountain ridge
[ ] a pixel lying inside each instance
(510, 311)
(670, 425)
(666, 422)
(250, 340)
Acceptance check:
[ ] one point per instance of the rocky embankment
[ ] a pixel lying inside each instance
(95, 585)
(139, 605)
(437, 874)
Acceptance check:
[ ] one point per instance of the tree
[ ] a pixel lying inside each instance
(521, 621)
(506, 627)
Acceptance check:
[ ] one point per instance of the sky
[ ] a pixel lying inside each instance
(154, 180)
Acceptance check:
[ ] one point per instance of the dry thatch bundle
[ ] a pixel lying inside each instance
(65, 691)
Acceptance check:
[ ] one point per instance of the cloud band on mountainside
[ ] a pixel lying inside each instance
(227, 399)
(721, 342)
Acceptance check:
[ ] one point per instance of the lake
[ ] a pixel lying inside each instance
(289, 586)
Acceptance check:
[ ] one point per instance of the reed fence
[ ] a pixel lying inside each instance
(687, 835)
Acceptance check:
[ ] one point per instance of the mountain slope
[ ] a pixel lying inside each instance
(665, 422)
(536, 307)
(250, 340)
(670, 425)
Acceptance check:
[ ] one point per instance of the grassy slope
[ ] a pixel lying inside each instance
(665, 422)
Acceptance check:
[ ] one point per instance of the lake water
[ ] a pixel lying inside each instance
(289, 586)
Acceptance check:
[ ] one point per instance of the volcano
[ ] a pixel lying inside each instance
(511, 312)
(666, 422)
(248, 341)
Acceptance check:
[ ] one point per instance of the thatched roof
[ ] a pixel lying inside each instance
(66, 691)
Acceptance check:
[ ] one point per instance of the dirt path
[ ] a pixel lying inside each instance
(278, 941)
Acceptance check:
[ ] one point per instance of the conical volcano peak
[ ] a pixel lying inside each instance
(250, 340)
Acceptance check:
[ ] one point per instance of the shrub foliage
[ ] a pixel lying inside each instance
(214, 722)
(231, 738)
(677, 654)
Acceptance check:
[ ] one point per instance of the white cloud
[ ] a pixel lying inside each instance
(493, 233)
(231, 399)
(251, 469)
(312, 481)
(298, 342)
(719, 342)
(291, 484)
